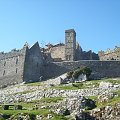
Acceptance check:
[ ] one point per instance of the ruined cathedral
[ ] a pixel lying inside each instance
(68, 51)
(30, 64)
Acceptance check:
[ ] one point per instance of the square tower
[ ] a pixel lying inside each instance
(70, 44)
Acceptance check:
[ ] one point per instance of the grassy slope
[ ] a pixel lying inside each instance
(74, 86)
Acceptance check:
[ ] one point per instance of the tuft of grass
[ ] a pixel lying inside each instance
(34, 84)
(113, 81)
(33, 113)
(51, 99)
(62, 87)
(92, 97)
(59, 117)
(75, 86)
(24, 92)
(111, 101)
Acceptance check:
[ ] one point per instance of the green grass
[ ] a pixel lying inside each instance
(24, 92)
(43, 112)
(92, 97)
(62, 87)
(86, 84)
(113, 81)
(51, 99)
(111, 101)
(76, 86)
(35, 112)
(34, 84)
(106, 80)
(30, 105)
(117, 92)
(59, 117)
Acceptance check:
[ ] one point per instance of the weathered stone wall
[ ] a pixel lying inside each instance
(110, 54)
(21, 65)
(58, 52)
(70, 44)
(10, 54)
(11, 67)
(33, 67)
(99, 69)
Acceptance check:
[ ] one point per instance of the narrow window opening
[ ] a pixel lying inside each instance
(4, 63)
(16, 70)
(3, 72)
(17, 61)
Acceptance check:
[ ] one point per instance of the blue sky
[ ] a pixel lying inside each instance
(96, 22)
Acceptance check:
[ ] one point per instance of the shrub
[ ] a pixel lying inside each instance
(76, 73)
(79, 71)
(69, 74)
(86, 70)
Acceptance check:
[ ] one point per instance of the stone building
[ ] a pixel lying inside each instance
(34, 63)
(70, 51)
(70, 45)
(110, 54)
(21, 65)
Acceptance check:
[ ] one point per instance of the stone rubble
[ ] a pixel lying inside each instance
(8, 95)
(73, 103)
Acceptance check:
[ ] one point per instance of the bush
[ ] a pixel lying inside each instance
(76, 73)
(79, 71)
(86, 70)
(69, 74)
(78, 85)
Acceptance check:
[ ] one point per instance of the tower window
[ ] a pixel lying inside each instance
(16, 70)
(17, 61)
(4, 63)
(3, 72)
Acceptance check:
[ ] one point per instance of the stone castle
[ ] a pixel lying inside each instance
(70, 51)
(110, 54)
(34, 63)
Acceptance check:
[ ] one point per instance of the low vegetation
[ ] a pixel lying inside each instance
(84, 85)
(28, 106)
(82, 70)
(111, 101)
(48, 100)
(28, 109)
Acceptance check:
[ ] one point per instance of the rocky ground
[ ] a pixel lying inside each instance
(88, 100)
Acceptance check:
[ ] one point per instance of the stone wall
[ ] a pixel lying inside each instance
(21, 65)
(33, 67)
(70, 44)
(11, 68)
(58, 52)
(99, 69)
(110, 54)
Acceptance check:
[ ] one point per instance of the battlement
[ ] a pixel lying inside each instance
(14, 53)
(11, 54)
(110, 54)
(30, 63)
(70, 30)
